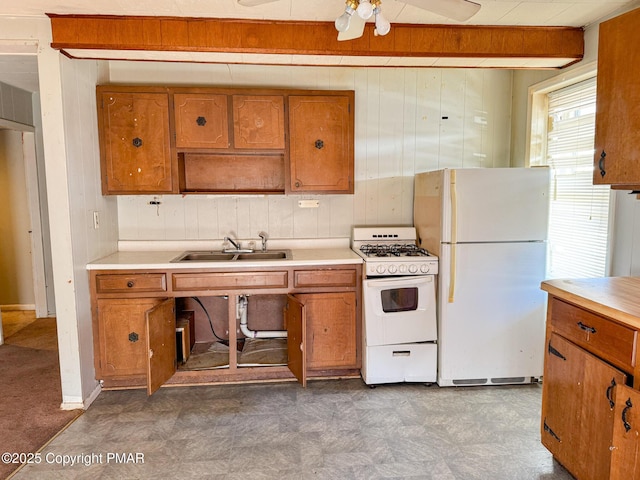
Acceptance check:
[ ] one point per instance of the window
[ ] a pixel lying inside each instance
(579, 211)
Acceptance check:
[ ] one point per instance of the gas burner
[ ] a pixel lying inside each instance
(413, 251)
(395, 250)
(372, 250)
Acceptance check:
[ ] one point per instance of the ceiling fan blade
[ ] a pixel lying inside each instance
(459, 10)
(253, 3)
(355, 30)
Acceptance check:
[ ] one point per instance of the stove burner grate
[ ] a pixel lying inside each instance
(395, 250)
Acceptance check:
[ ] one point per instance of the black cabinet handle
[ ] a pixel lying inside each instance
(627, 425)
(586, 328)
(601, 164)
(133, 337)
(137, 142)
(201, 121)
(319, 144)
(609, 393)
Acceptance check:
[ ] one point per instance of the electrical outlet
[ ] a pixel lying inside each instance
(96, 220)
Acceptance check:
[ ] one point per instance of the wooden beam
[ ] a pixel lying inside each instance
(180, 34)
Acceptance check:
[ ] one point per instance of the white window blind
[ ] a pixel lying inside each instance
(579, 211)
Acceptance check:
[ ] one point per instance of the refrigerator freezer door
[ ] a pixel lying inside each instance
(493, 329)
(496, 205)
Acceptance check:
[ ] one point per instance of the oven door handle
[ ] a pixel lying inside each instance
(398, 281)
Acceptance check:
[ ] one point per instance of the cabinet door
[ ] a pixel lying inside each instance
(201, 120)
(160, 325)
(331, 330)
(122, 349)
(258, 122)
(321, 144)
(295, 323)
(625, 454)
(136, 148)
(618, 102)
(577, 408)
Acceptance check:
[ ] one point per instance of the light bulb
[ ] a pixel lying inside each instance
(343, 21)
(382, 24)
(365, 9)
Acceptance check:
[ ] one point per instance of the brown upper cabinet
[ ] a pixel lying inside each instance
(135, 147)
(258, 122)
(225, 140)
(201, 120)
(617, 157)
(321, 145)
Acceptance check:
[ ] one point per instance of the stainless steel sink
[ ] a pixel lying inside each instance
(218, 256)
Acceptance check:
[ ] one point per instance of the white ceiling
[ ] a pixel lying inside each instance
(21, 71)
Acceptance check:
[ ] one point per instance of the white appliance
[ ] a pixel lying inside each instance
(399, 306)
(488, 226)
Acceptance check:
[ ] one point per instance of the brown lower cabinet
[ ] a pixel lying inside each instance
(135, 332)
(590, 418)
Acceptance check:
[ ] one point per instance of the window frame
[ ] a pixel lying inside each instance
(537, 131)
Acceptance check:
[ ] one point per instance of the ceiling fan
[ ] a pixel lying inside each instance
(351, 26)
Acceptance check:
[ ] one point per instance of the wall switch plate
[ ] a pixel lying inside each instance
(96, 220)
(308, 203)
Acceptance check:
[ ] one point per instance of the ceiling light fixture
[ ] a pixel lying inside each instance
(365, 10)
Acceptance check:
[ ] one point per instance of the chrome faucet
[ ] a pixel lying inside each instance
(232, 242)
(264, 237)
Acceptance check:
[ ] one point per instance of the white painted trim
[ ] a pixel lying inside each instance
(77, 405)
(37, 247)
(11, 125)
(16, 307)
(537, 98)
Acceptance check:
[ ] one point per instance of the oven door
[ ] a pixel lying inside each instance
(399, 310)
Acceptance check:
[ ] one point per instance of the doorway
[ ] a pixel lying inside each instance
(26, 275)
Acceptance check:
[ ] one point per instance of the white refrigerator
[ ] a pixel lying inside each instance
(488, 226)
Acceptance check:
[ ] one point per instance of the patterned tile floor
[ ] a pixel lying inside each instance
(335, 429)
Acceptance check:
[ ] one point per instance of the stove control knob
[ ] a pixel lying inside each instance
(403, 268)
(424, 268)
(393, 269)
(413, 269)
(380, 269)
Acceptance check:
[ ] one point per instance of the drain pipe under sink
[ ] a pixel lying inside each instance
(241, 314)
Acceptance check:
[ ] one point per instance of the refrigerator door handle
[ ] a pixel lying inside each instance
(454, 235)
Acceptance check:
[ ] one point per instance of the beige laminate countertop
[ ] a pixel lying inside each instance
(614, 297)
(161, 260)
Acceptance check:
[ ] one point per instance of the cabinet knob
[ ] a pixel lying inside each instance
(297, 184)
(319, 144)
(137, 142)
(601, 164)
(130, 284)
(133, 337)
(201, 121)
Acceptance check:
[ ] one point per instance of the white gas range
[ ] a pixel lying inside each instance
(392, 251)
(399, 340)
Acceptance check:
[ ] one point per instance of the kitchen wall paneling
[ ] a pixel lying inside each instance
(80, 163)
(15, 104)
(399, 130)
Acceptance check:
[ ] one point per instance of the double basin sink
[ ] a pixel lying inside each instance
(231, 256)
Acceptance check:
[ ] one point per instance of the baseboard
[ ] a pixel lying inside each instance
(82, 405)
(10, 308)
